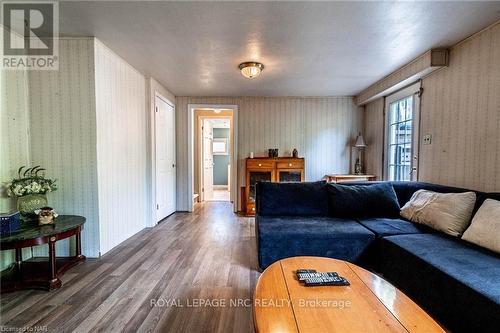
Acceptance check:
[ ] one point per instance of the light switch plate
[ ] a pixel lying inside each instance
(427, 139)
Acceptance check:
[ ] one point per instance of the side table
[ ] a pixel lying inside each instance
(38, 272)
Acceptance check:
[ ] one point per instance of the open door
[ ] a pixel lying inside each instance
(208, 162)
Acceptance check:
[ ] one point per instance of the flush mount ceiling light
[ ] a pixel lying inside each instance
(251, 69)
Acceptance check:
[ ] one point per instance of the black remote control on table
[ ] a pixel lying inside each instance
(304, 276)
(304, 273)
(332, 281)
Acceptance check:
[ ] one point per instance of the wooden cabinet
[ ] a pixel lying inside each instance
(264, 169)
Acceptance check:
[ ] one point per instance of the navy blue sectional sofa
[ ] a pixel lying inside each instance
(456, 282)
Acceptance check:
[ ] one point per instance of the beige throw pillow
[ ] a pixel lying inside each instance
(447, 212)
(485, 228)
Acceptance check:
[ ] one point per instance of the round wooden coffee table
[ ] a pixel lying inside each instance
(369, 304)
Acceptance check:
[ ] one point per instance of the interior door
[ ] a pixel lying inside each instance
(208, 160)
(165, 158)
(171, 174)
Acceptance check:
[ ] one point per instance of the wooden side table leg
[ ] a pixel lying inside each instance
(78, 238)
(54, 281)
(19, 258)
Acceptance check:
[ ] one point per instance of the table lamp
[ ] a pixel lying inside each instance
(360, 144)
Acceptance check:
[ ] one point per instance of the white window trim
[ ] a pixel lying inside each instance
(414, 90)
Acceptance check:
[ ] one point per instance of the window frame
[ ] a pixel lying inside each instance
(220, 140)
(412, 90)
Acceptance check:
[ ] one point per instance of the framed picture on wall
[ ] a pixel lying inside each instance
(219, 146)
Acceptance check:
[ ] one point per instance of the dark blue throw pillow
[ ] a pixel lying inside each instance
(300, 199)
(361, 201)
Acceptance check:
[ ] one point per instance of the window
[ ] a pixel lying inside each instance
(402, 129)
(219, 146)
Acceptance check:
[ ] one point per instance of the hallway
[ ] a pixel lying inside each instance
(152, 281)
(221, 195)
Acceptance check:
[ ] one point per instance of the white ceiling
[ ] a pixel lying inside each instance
(308, 48)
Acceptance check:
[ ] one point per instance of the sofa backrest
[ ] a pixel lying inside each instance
(404, 191)
(292, 199)
(312, 198)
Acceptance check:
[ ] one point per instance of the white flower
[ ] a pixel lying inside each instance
(19, 190)
(35, 187)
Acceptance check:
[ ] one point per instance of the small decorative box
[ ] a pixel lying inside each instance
(9, 222)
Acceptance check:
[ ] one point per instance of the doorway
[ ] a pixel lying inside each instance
(214, 162)
(212, 166)
(216, 159)
(402, 134)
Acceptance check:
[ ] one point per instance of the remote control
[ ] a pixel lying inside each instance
(304, 273)
(299, 271)
(304, 276)
(338, 281)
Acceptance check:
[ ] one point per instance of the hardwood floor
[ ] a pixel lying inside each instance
(221, 195)
(141, 285)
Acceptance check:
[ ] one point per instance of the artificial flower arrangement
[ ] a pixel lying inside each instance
(30, 181)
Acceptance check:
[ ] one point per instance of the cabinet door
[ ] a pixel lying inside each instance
(257, 176)
(290, 176)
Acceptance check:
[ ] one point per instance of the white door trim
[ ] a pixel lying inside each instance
(234, 159)
(153, 153)
(207, 186)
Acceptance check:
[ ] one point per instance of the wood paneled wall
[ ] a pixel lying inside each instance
(374, 137)
(14, 130)
(322, 129)
(89, 129)
(63, 135)
(460, 108)
(14, 137)
(121, 148)
(87, 124)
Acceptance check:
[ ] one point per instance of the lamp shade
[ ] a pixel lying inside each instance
(360, 142)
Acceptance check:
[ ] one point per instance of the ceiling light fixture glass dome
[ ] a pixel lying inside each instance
(251, 70)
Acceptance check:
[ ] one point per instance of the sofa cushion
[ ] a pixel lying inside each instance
(288, 236)
(404, 191)
(285, 199)
(363, 201)
(438, 271)
(485, 227)
(450, 213)
(389, 227)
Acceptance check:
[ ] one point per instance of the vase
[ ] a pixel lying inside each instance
(29, 203)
